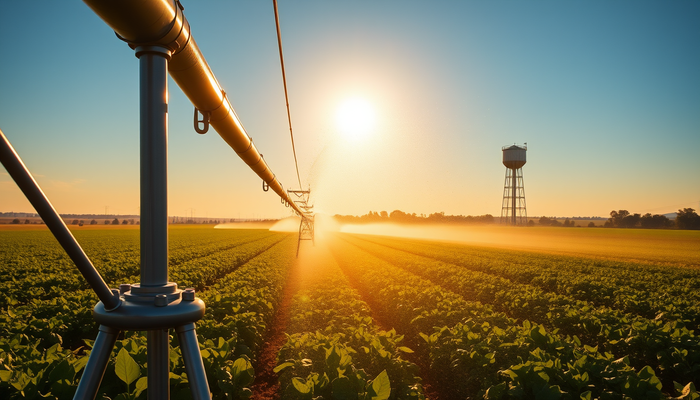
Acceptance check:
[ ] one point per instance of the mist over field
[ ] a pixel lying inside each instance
(649, 245)
(661, 246)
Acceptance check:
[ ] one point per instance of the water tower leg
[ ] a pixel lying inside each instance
(522, 210)
(513, 197)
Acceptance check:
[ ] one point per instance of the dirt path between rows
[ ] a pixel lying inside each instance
(419, 357)
(266, 385)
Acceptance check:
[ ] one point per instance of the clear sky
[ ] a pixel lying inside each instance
(605, 93)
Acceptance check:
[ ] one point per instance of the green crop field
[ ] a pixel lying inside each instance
(373, 317)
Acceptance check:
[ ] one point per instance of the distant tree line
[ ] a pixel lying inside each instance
(400, 217)
(686, 218)
(545, 221)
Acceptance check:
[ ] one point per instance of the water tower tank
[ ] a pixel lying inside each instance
(514, 156)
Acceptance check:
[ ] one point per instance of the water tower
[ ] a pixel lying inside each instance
(513, 210)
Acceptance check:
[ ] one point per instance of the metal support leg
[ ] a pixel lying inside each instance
(158, 353)
(153, 97)
(193, 362)
(97, 363)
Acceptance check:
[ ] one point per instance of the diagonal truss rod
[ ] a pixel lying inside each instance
(20, 174)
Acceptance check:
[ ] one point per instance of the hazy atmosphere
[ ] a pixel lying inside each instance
(395, 105)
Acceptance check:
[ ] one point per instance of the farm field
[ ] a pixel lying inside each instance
(363, 316)
(659, 246)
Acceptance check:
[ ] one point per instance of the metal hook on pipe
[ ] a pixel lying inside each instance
(266, 186)
(205, 121)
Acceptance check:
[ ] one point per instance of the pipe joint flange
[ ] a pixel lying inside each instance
(153, 49)
(175, 37)
(139, 316)
(162, 295)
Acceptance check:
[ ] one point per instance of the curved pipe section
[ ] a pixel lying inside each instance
(162, 23)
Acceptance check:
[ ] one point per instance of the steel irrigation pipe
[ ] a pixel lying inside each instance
(162, 23)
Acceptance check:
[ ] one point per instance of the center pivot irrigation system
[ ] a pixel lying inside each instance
(160, 36)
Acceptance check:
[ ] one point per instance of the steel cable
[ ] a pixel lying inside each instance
(286, 94)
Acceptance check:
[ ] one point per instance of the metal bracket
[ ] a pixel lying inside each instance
(205, 121)
(266, 187)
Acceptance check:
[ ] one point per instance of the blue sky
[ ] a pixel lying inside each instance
(606, 94)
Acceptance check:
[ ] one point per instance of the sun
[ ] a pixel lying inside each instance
(355, 118)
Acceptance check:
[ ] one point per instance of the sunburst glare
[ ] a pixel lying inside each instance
(356, 118)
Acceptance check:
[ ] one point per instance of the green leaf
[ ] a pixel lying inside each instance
(646, 372)
(245, 393)
(282, 367)
(496, 392)
(405, 349)
(62, 370)
(301, 386)
(342, 389)
(62, 389)
(332, 357)
(141, 385)
(548, 393)
(80, 363)
(243, 372)
(590, 349)
(21, 382)
(689, 388)
(425, 337)
(320, 382)
(587, 395)
(381, 387)
(5, 375)
(126, 368)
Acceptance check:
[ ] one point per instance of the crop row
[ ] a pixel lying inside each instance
(668, 347)
(240, 306)
(649, 291)
(63, 313)
(186, 245)
(33, 265)
(334, 349)
(205, 270)
(481, 352)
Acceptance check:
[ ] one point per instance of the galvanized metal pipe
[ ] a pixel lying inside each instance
(161, 22)
(20, 174)
(153, 97)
